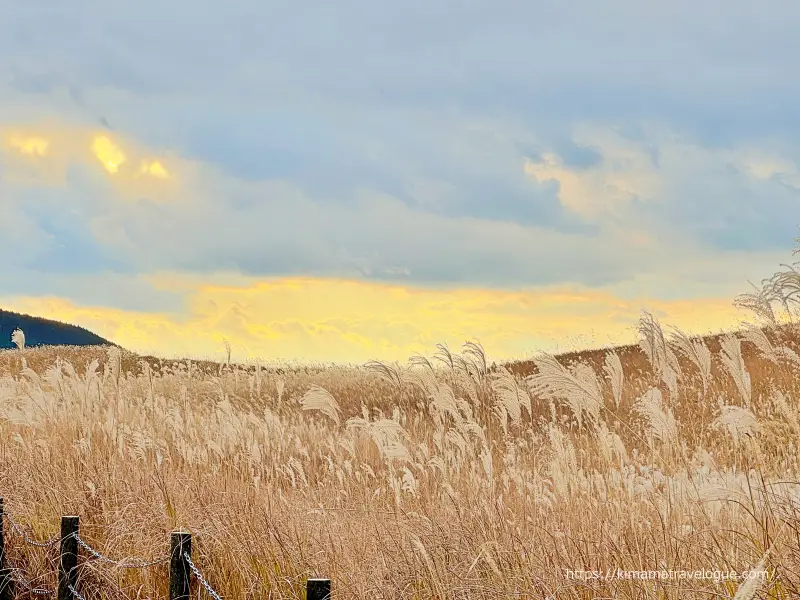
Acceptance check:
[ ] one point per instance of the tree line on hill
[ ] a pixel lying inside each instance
(45, 332)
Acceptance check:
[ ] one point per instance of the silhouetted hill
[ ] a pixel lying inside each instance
(44, 332)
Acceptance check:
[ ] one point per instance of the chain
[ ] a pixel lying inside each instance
(75, 592)
(19, 530)
(98, 555)
(38, 592)
(34, 591)
(200, 578)
(120, 564)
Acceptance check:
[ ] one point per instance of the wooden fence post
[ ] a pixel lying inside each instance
(178, 566)
(318, 589)
(6, 583)
(68, 563)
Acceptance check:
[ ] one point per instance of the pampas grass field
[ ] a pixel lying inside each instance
(615, 473)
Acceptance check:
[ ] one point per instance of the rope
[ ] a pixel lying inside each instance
(120, 564)
(200, 578)
(28, 540)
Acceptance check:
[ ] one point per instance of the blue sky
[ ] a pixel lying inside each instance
(648, 150)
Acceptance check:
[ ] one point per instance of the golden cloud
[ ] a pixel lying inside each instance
(45, 151)
(108, 153)
(154, 169)
(30, 145)
(354, 321)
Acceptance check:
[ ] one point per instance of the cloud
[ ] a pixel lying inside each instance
(311, 319)
(122, 294)
(657, 184)
(488, 146)
(51, 153)
(32, 146)
(198, 218)
(598, 190)
(108, 153)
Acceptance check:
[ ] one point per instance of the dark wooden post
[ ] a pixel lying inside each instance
(6, 584)
(178, 566)
(318, 589)
(68, 565)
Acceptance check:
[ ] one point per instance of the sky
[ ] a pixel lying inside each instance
(354, 180)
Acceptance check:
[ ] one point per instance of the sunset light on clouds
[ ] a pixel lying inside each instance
(359, 180)
(316, 319)
(109, 155)
(34, 146)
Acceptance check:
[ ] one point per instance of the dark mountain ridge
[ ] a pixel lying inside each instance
(45, 332)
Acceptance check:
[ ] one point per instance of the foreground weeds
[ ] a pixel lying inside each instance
(445, 478)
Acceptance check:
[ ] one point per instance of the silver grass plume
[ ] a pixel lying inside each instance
(615, 375)
(661, 423)
(782, 288)
(696, 351)
(758, 337)
(749, 589)
(18, 338)
(759, 303)
(511, 398)
(739, 422)
(578, 388)
(731, 356)
(662, 359)
(318, 398)
(227, 353)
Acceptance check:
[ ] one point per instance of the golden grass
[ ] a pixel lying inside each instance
(448, 479)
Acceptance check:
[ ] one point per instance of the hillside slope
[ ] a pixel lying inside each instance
(40, 332)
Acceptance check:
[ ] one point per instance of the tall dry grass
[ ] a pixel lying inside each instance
(447, 477)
